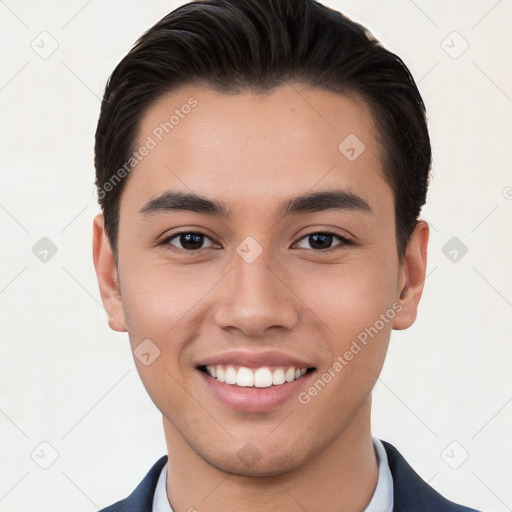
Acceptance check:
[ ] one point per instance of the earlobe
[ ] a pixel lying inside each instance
(412, 276)
(106, 274)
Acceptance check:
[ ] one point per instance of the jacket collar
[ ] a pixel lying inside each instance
(410, 492)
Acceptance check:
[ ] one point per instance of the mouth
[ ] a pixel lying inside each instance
(260, 377)
(255, 382)
(257, 389)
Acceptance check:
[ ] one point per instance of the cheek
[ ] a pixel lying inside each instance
(156, 297)
(158, 304)
(351, 297)
(166, 305)
(355, 306)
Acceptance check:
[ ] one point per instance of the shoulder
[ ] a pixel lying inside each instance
(141, 499)
(411, 493)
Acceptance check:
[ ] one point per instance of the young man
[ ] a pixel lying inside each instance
(261, 166)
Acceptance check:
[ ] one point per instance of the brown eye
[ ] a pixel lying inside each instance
(322, 240)
(188, 241)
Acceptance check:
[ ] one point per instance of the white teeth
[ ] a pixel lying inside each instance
(245, 377)
(278, 377)
(262, 377)
(290, 375)
(230, 375)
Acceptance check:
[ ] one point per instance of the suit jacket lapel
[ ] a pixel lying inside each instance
(410, 492)
(141, 499)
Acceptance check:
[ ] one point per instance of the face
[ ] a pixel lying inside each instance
(275, 270)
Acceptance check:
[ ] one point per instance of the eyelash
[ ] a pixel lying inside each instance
(166, 242)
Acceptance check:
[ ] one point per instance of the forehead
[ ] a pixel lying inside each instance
(244, 147)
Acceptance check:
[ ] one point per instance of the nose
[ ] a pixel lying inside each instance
(256, 299)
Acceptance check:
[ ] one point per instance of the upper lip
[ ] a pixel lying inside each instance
(255, 359)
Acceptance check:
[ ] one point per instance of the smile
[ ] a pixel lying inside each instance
(255, 382)
(262, 377)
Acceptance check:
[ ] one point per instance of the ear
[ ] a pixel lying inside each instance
(106, 274)
(412, 276)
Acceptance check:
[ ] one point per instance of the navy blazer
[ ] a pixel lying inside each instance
(411, 493)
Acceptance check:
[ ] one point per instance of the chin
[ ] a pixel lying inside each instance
(248, 462)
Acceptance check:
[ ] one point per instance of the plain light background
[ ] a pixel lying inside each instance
(444, 398)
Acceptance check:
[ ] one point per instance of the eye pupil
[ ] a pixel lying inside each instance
(318, 240)
(191, 241)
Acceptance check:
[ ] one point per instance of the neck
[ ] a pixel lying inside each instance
(341, 477)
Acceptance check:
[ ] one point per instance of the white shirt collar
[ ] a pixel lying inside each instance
(382, 499)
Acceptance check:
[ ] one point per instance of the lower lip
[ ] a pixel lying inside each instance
(252, 399)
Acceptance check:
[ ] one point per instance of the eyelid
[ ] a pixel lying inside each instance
(165, 241)
(344, 239)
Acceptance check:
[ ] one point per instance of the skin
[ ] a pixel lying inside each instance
(252, 152)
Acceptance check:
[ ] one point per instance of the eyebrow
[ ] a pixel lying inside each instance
(332, 199)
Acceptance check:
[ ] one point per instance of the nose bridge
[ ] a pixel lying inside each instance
(255, 280)
(254, 296)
